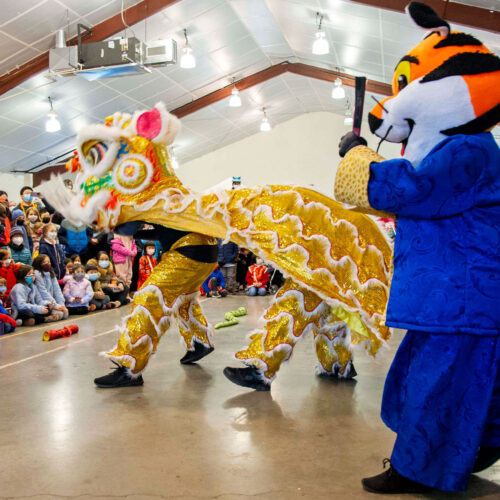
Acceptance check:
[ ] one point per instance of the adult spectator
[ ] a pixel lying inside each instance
(244, 260)
(75, 239)
(98, 243)
(227, 263)
(50, 247)
(19, 251)
(28, 201)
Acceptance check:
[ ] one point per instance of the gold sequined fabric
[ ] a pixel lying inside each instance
(294, 312)
(170, 293)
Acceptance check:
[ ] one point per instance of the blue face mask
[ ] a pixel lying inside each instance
(92, 276)
(3, 289)
(104, 263)
(29, 280)
(27, 198)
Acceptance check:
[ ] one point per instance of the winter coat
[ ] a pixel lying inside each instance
(227, 253)
(5, 228)
(446, 251)
(82, 289)
(49, 288)
(9, 273)
(121, 252)
(257, 274)
(26, 206)
(217, 274)
(26, 297)
(20, 254)
(146, 266)
(74, 238)
(55, 253)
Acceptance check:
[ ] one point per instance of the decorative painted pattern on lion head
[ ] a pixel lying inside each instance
(121, 162)
(448, 84)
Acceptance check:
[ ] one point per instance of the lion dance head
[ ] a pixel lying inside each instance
(123, 162)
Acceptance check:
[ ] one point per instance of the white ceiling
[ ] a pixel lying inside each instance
(230, 38)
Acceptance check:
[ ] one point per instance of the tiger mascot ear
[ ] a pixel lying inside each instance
(424, 17)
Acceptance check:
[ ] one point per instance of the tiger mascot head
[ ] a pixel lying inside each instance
(448, 84)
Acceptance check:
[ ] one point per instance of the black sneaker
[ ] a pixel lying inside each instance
(119, 377)
(392, 482)
(486, 457)
(246, 377)
(200, 351)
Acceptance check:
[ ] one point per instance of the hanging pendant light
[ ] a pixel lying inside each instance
(187, 59)
(320, 45)
(52, 124)
(265, 126)
(348, 120)
(235, 99)
(338, 91)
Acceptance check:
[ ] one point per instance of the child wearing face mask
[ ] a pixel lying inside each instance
(78, 292)
(147, 263)
(19, 252)
(18, 220)
(27, 303)
(111, 284)
(7, 323)
(8, 271)
(49, 246)
(100, 299)
(124, 250)
(45, 216)
(48, 287)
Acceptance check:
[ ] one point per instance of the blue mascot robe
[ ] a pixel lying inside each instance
(442, 393)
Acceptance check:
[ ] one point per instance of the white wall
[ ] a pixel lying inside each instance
(12, 184)
(301, 151)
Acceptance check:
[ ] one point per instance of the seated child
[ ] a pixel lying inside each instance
(7, 323)
(214, 285)
(27, 304)
(8, 271)
(48, 287)
(69, 271)
(78, 292)
(147, 263)
(100, 299)
(257, 278)
(114, 288)
(18, 250)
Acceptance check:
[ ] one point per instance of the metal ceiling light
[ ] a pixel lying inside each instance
(52, 124)
(235, 99)
(338, 91)
(265, 126)
(320, 45)
(187, 59)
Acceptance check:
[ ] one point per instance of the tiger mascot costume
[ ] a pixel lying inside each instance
(442, 393)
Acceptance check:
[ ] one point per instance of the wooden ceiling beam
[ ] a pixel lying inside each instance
(272, 72)
(459, 13)
(100, 32)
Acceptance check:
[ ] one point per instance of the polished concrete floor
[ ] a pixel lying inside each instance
(188, 433)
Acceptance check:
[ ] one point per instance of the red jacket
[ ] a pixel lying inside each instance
(146, 266)
(9, 273)
(257, 274)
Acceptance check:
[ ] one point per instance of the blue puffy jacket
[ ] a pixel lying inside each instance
(74, 238)
(227, 253)
(217, 274)
(447, 247)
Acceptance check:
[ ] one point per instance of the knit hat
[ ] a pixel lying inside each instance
(17, 213)
(16, 230)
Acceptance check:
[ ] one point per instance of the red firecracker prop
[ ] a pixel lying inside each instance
(67, 331)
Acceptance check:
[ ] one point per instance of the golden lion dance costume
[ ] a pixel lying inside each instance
(337, 262)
